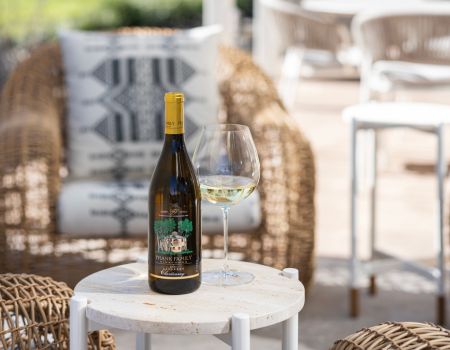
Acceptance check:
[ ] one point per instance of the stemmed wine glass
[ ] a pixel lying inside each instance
(227, 167)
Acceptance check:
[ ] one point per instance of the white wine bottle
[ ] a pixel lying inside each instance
(174, 233)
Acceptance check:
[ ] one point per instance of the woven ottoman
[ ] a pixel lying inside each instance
(397, 336)
(34, 313)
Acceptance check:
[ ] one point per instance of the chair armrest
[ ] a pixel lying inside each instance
(287, 182)
(30, 145)
(30, 153)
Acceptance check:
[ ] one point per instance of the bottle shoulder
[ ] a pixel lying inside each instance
(174, 172)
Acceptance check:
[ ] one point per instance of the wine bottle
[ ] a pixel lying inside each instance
(174, 233)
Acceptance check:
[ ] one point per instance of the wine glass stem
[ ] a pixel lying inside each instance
(225, 240)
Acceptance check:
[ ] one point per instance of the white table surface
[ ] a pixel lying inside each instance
(413, 114)
(349, 8)
(119, 297)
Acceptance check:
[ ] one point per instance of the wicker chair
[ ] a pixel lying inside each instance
(397, 336)
(34, 313)
(403, 48)
(310, 45)
(32, 143)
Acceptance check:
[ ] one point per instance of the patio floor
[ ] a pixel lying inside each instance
(406, 223)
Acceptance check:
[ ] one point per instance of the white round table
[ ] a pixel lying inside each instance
(120, 298)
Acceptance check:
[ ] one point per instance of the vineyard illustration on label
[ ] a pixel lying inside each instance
(172, 236)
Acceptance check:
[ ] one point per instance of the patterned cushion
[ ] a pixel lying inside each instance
(97, 208)
(116, 84)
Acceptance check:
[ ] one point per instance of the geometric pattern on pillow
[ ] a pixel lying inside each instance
(99, 208)
(115, 86)
(136, 108)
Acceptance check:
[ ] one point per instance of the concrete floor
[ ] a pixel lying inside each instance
(406, 224)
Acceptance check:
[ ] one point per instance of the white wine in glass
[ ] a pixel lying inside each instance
(227, 166)
(226, 189)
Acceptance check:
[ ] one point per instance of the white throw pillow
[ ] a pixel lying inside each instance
(116, 84)
(108, 208)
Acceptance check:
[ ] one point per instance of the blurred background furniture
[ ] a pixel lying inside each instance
(311, 44)
(396, 335)
(33, 164)
(34, 314)
(430, 118)
(226, 14)
(405, 47)
(347, 9)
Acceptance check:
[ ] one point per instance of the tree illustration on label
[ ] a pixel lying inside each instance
(185, 227)
(169, 241)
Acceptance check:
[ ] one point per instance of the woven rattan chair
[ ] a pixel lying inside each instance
(403, 48)
(34, 314)
(32, 143)
(397, 336)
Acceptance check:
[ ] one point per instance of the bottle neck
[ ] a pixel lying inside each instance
(174, 125)
(175, 142)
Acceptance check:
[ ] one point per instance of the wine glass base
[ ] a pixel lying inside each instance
(230, 278)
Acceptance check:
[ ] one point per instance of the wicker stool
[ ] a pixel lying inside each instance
(34, 314)
(397, 336)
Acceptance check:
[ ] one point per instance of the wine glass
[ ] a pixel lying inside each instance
(227, 166)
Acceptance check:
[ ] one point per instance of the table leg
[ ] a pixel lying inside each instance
(290, 326)
(240, 332)
(373, 204)
(78, 323)
(354, 292)
(290, 333)
(143, 341)
(440, 173)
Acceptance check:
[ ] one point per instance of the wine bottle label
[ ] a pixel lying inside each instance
(174, 245)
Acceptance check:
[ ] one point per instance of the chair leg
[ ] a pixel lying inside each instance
(373, 284)
(373, 204)
(240, 332)
(441, 307)
(354, 293)
(440, 174)
(78, 323)
(354, 302)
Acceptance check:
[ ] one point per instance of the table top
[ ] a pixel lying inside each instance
(119, 297)
(349, 8)
(412, 114)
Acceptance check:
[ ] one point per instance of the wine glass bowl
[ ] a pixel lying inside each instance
(228, 170)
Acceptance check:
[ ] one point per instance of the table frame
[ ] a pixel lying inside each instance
(240, 326)
(371, 267)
